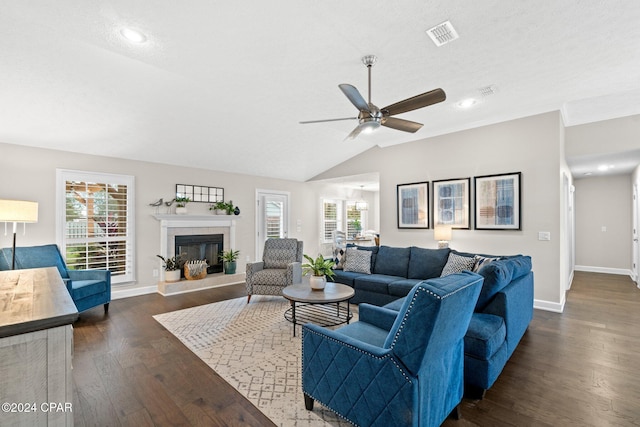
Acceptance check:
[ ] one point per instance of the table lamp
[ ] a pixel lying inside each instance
(442, 233)
(16, 211)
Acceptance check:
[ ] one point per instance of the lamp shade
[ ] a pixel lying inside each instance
(18, 211)
(442, 232)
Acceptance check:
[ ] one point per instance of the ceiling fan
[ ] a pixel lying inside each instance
(371, 117)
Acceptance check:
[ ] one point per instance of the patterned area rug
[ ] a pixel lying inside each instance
(252, 347)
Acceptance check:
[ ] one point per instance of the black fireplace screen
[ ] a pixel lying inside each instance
(202, 246)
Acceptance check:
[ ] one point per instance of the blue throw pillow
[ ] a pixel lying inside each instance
(427, 263)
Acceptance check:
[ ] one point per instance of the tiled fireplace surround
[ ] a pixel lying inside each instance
(184, 225)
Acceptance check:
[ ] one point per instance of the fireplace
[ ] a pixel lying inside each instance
(201, 246)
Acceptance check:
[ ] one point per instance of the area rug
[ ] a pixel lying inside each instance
(252, 347)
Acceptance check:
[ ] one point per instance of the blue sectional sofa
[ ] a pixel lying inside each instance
(501, 315)
(88, 288)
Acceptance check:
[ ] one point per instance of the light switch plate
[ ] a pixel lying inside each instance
(544, 235)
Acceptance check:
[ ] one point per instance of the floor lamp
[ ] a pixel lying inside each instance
(16, 211)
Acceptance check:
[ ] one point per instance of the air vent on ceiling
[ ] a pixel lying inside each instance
(443, 33)
(488, 90)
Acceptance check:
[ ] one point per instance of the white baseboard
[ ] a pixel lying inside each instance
(132, 292)
(606, 270)
(549, 306)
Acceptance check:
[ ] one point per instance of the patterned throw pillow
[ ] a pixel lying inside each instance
(481, 261)
(339, 255)
(457, 263)
(358, 261)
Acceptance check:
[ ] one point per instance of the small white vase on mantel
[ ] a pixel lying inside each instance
(181, 210)
(317, 283)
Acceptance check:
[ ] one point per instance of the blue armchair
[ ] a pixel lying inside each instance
(394, 368)
(88, 288)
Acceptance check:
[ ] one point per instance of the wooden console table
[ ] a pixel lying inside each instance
(36, 346)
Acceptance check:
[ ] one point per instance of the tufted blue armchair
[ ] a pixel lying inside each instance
(88, 288)
(280, 267)
(394, 368)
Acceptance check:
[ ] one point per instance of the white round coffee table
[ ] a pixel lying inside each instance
(312, 306)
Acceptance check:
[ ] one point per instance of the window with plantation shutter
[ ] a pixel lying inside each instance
(331, 217)
(96, 222)
(341, 215)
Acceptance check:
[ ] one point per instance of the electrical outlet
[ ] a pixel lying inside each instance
(248, 258)
(156, 273)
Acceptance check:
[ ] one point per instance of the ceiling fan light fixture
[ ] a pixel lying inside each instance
(369, 125)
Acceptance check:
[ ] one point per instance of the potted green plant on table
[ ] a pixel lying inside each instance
(229, 259)
(318, 269)
(172, 267)
(181, 205)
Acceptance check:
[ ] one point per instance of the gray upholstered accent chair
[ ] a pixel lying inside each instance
(280, 267)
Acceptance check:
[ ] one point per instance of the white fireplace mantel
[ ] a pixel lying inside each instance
(168, 221)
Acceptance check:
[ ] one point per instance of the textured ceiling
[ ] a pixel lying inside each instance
(223, 85)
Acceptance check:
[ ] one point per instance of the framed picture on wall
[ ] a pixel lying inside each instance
(497, 202)
(451, 202)
(413, 205)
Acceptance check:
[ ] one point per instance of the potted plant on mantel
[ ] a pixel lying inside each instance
(224, 208)
(181, 205)
(318, 269)
(229, 260)
(172, 267)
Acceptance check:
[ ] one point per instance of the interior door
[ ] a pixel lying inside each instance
(272, 218)
(635, 249)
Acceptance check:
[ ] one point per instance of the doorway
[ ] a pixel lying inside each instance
(272, 218)
(635, 211)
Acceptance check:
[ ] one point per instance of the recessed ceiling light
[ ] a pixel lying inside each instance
(467, 103)
(604, 168)
(132, 35)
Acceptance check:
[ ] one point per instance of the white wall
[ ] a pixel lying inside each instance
(28, 173)
(532, 145)
(604, 202)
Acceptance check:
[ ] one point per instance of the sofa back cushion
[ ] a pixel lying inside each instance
(427, 263)
(500, 273)
(392, 261)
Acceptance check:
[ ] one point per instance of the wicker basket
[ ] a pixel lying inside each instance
(195, 270)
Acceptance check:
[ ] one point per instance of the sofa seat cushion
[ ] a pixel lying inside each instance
(427, 263)
(272, 276)
(345, 277)
(485, 336)
(392, 261)
(401, 288)
(86, 288)
(374, 282)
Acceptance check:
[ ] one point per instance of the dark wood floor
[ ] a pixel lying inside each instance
(579, 368)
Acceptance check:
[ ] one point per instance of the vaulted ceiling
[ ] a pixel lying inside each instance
(223, 85)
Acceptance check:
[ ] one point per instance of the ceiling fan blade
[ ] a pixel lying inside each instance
(354, 133)
(327, 120)
(413, 103)
(400, 124)
(354, 96)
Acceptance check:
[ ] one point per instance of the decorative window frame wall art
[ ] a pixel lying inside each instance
(497, 201)
(451, 200)
(413, 205)
(200, 193)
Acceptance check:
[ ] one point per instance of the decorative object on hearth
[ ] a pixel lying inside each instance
(195, 269)
(229, 259)
(413, 205)
(318, 269)
(451, 203)
(497, 201)
(371, 117)
(442, 234)
(172, 267)
(16, 211)
(181, 205)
